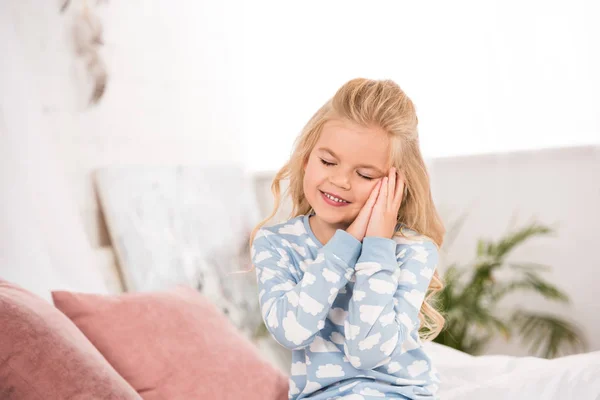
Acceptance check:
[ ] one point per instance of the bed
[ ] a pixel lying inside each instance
(495, 377)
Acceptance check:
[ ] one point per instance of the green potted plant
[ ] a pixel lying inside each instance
(470, 301)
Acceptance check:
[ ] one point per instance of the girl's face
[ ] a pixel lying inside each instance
(342, 170)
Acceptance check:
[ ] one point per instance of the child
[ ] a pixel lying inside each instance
(343, 282)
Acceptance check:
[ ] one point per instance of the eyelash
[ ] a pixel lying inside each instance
(328, 164)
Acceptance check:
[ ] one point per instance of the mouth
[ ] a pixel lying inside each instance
(334, 197)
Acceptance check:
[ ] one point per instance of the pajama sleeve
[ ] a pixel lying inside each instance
(391, 283)
(294, 309)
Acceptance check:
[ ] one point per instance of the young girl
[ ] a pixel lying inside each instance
(343, 283)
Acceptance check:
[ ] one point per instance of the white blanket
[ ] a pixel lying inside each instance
(467, 377)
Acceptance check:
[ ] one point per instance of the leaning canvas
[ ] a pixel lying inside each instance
(184, 225)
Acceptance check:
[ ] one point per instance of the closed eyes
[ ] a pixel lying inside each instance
(329, 164)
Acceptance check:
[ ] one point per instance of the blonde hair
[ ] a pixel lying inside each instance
(379, 103)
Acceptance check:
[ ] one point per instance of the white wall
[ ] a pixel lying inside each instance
(485, 76)
(174, 77)
(501, 192)
(174, 80)
(42, 238)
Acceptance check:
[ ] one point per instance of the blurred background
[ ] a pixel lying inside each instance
(125, 125)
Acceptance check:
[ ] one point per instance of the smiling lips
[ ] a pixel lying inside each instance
(334, 200)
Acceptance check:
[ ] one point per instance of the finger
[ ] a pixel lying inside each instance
(365, 211)
(399, 195)
(373, 196)
(391, 187)
(382, 198)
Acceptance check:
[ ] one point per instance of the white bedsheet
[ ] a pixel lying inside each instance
(467, 377)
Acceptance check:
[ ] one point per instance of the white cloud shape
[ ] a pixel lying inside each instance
(355, 361)
(388, 318)
(371, 392)
(408, 382)
(394, 367)
(406, 276)
(320, 324)
(337, 338)
(353, 396)
(266, 306)
(409, 344)
(330, 371)
(401, 254)
(405, 320)
(349, 275)
(284, 261)
(369, 314)
(298, 368)
(369, 342)
(263, 233)
(381, 286)
(272, 320)
(267, 274)
(415, 298)
(301, 250)
(307, 263)
(320, 345)
(409, 238)
(308, 279)
(292, 298)
(285, 286)
(358, 295)
(310, 242)
(295, 229)
(427, 272)
(383, 362)
(338, 315)
(294, 332)
(293, 390)
(420, 254)
(367, 268)
(262, 256)
(351, 331)
(332, 295)
(330, 276)
(388, 346)
(417, 368)
(310, 305)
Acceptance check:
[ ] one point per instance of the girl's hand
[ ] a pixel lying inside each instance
(358, 228)
(385, 212)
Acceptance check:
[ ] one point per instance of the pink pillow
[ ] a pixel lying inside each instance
(173, 345)
(44, 356)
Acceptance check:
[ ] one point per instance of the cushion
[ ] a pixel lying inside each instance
(44, 356)
(173, 344)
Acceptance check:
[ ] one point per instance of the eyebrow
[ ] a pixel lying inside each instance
(359, 166)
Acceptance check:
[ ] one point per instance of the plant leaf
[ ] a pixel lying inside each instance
(510, 241)
(548, 335)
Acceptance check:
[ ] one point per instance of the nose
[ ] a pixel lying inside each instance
(340, 180)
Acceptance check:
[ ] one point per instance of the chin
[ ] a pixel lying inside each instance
(333, 218)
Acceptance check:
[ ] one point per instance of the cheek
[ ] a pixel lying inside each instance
(312, 174)
(363, 192)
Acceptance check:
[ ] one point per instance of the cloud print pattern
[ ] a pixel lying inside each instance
(347, 310)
